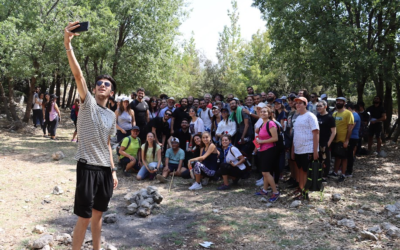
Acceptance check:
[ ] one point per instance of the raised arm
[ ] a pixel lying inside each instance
(73, 63)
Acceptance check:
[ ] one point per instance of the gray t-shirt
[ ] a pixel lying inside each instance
(95, 125)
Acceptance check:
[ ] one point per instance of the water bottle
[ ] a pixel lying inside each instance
(284, 125)
(187, 145)
(258, 148)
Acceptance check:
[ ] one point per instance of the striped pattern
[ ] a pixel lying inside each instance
(95, 125)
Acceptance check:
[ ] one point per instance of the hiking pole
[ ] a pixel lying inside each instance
(172, 180)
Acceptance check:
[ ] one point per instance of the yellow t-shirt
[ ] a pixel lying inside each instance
(149, 154)
(342, 120)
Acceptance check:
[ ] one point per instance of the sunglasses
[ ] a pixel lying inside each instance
(99, 83)
(154, 101)
(168, 114)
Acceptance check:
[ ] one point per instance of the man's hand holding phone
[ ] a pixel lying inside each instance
(70, 32)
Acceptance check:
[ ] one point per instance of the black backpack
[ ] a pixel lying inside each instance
(127, 146)
(280, 144)
(314, 177)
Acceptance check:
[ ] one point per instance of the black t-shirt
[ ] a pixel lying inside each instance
(179, 114)
(162, 128)
(326, 123)
(240, 127)
(183, 137)
(113, 107)
(376, 112)
(140, 109)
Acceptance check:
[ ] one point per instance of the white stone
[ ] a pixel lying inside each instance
(397, 204)
(375, 229)
(295, 204)
(215, 211)
(336, 197)
(110, 218)
(130, 196)
(391, 230)
(58, 190)
(132, 208)
(111, 247)
(347, 223)
(43, 241)
(391, 208)
(58, 156)
(368, 236)
(47, 247)
(64, 238)
(39, 229)
(151, 190)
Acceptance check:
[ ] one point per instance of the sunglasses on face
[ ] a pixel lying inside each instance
(312, 96)
(99, 83)
(168, 114)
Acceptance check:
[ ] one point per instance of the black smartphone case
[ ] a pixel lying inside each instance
(84, 26)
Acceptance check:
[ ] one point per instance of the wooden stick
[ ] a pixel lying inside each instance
(172, 179)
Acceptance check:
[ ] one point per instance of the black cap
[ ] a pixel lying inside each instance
(53, 96)
(135, 127)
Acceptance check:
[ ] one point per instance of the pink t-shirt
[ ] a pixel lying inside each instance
(263, 135)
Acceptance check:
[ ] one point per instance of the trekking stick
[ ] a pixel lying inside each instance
(172, 180)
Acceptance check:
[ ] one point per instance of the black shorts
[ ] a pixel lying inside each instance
(268, 159)
(303, 161)
(173, 167)
(375, 129)
(94, 189)
(125, 160)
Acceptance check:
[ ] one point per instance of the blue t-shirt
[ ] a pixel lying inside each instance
(356, 129)
(175, 158)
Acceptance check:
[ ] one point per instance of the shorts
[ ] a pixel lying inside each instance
(125, 160)
(94, 189)
(342, 150)
(76, 129)
(303, 161)
(173, 167)
(375, 129)
(268, 159)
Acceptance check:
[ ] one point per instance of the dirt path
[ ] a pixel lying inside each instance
(235, 219)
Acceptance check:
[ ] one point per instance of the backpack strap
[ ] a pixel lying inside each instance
(230, 149)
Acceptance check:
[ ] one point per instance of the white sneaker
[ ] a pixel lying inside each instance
(196, 186)
(260, 180)
(204, 182)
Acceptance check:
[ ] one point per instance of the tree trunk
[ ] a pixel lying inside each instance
(70, 93)
(4, 101)
(29, 101)
(58, 90)
(65, 92)
(360, 89)
(388, 105)
(43, 86)
(75, 89)
(53, 84)
(339, 90)
(13, 110)
(87, 73)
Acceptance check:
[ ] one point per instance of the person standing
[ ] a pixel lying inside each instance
(377, 116)
(244, 128)
(75, 109)
(125, 119)
(46, 120)
(96, 176)
(205, 114)
(54, 116)
(351, 151)
(305, 143)
(250, 91)
(344, 125)
(142, 114)
(313, 103)
(179, 114)
(36, 107)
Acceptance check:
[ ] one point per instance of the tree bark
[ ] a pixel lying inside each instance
(58, 90)
(75, 88)
(4, 101)
(29, 101)
(65, 92)
(53, 84)
(71, 92)
(339, 91)
(13, 109)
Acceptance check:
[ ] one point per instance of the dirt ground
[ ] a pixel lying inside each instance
(234, 219)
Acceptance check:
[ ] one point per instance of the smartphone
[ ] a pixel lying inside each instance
(84, 26)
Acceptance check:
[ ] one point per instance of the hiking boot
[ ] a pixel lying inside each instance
(196, 186)
(274, 197)
(262, 193)
(341, 178)
(161, 178)
(333, 175)
(204, 182)
(302, 196)
(224, 187)
(127, 174)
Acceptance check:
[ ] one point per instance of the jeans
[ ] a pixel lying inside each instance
(53, 126)
(143, 172)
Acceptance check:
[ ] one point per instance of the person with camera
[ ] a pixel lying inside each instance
(96, 176)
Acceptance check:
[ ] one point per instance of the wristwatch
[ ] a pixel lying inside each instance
(114, 170)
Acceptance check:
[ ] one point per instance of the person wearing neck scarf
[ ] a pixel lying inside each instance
(244, 129)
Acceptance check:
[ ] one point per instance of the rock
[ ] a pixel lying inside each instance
(151, 190)
(63, 238)
(132, 208)
(397, 204)
(269, 204)
(58, 156)
(43, 241)
(391, 208)
(110, 247)
(375, 229)
(365, 235)
(143, 193)
(215, 211)
(366, 207)
(130, 196)
(157, 197)
(39, 229)
(321, 210)
(58, 190)
(391, 230)
(295, 204)
(263, 199)
(347, 223)
(336, 197)
(110, 218)
(47, 247)
(150, 200)
(398, 216)
(144, 212)
(88, 236)
(145, 204)
(360, 211)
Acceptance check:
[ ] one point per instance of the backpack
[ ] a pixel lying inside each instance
(280, 144)
(73, 115)
(314, 177)
(127, 146)
(246, 163)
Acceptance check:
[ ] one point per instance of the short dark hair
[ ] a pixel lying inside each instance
(349, 105)
(140, 89)
(163, 96)
(187, 100)
(108, 77)
(185, 120)
(201, 100)
(249, 87)
(361, 104)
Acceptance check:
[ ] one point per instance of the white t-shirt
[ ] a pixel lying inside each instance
(231, 157)
(38, 106)
(206, 117)
(258, 125)
(197, 126)
(303, 136)
(223, 127)
(95, 125)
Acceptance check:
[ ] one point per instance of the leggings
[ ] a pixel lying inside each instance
(53, 126)
(199, 167)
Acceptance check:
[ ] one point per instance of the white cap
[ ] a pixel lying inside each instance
(283, 97)
(171, 98)
(125, 99)
(261, 105)
(342, 98)
(174, 139)
(323, 96)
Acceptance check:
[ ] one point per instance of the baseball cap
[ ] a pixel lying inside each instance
(303, 99)
(261, 105)
(125, 99)
(135, 127)
(224, 109)
(341, 98)
(215, 107)
(171, 98)
(278, 101)
(292, 95)
(283, 97)
(235, 98)
(323, 96)
(174, 139)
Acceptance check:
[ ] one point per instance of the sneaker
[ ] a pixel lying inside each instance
(196, 186)
(204, 182)
(301, 197)
(127, 174)
(333, 175)
(161, 178)
(224, 187)
(260, 180)
(274, 197)
(73, 140)
(260, 183)
(341, 178)
(296, 192)
(348, 175)
(262, 193)
(192, 173)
